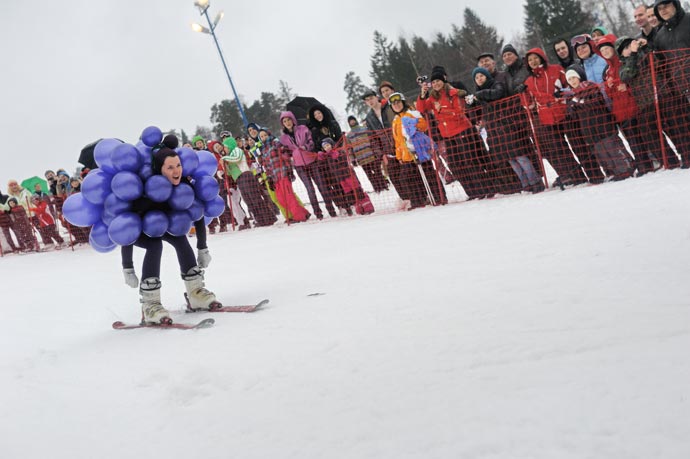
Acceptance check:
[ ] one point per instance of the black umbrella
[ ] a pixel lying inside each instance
(300, 106)
(86, 155)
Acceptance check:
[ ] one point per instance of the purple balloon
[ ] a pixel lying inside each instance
(182, 197)
(127, 186)
(196, 210)
(158, 188)
(189, 160)
(205, 187)
(80, 212)
(155, 223)
(208, 164)
(179, 223)
(96, 186)
(103, 154)
(99, 235)
(214, 208)
(100, 248)
(151, 136)
(145, 172)
(112, 207)
(125, 229)
(126, 157)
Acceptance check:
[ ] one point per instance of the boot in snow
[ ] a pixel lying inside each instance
(152, 310)
(198, 297)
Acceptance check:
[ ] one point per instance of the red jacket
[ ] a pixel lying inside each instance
(450, 113)
(543, 82)
(623, 102)
(44, 217)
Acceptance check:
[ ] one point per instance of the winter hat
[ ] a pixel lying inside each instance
(601, 29)
(386, 84)
(481, 70)
(171, 141)
(509, 49)
(352, 118)
(329, 141)
(230, 143)
(607, 40)
(368, 93)
(35, 197)
(159, 158)
(622, 43)
(437, 74)
(63, 173)
(197, 138)
(572, 73)
(482, 55)
(12, 199)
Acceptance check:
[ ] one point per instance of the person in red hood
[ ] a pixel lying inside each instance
(544, 85)
(624, 107)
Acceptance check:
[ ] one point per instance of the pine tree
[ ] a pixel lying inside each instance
(354, 88)
(380, 60)
(204, 132)
(226, 117)
(183, 137)
(473, 39)
(615, 15)
(285, 93)
(548, 20)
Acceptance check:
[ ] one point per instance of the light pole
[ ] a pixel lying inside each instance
(203, 6)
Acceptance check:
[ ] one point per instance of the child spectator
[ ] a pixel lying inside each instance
(278, 167)
(46, 223)
(22, 226)
(351, 193)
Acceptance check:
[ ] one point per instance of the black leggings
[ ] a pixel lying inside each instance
(154, 250)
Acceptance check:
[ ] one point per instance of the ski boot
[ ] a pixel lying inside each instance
(152, 310)
(197, 296)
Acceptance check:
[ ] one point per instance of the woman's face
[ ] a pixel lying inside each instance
(607, 51)
(218, 148)
(252, 132)
(480, 79)
(318, 116)
(437, 85)
(533, 61)
(263, 135)
(397, 106)
(288, 124)
(574, 82)
(172, 169)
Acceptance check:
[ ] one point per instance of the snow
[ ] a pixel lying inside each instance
(546, 326)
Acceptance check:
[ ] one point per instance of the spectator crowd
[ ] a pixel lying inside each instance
(610, 108)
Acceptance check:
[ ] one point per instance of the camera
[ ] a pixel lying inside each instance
(422, 79)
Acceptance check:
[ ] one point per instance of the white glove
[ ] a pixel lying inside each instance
(131, 278)
(203, 258)
(470, 99)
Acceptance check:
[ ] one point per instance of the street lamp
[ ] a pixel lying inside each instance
(203, 6)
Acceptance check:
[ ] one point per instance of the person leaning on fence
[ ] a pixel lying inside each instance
(365, 156)
(597, 126)
(464, 147)
(46, 224)
(422, 188)
(624, 108)
(22, 226)
(298, 140)
(504, 136)
(6, 224)
(544, 83)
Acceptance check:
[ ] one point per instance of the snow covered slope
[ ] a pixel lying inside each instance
(547, 326)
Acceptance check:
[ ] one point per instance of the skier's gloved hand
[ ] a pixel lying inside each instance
(131, 278)
(203, 258)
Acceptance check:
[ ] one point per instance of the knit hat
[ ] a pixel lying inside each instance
(437, 74)
(572, 73)
(481, 70)
(327, 140)
(230, 142)
(352, 118)
(159, 158)
(603, 30)
(509, 49)
(622, 43)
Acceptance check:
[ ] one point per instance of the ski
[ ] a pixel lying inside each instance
(236, 308)
(206, 323)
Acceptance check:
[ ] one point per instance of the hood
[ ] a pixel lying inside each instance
(211, 144)
(611, 40)
(255, 126)
(539, 52)
(327, 115)
(288, 115)
(571, 52)
(679, 11)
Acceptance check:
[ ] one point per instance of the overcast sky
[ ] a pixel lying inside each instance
(76, 71)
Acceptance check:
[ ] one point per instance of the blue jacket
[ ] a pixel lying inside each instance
(595, 66)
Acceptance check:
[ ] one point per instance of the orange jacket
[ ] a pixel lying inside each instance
(402, 148)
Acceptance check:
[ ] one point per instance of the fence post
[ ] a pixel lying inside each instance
(662, 141)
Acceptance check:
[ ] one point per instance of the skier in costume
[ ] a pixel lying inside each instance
(166, 162)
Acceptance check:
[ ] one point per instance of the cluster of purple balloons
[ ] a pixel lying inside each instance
(124, 175)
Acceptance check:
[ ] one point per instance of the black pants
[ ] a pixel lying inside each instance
(373, 171)
(259, 205)
(464, 151)
(154, 250)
